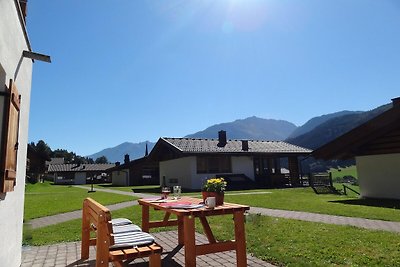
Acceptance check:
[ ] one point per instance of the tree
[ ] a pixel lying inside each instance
(89, 160)
(42, 148)
(101, 160)
(63, 153)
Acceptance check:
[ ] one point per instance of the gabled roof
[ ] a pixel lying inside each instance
(380, 135)
(78, 167)
(198, 146)
(128, 164)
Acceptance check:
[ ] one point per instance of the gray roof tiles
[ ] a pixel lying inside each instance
(195, 145)
(78, 167)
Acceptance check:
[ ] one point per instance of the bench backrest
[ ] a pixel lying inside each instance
(97, 218)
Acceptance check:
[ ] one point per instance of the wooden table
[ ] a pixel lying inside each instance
(186, 228)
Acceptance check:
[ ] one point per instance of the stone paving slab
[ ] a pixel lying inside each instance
(68, 254)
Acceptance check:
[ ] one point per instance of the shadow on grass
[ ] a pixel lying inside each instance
(371, 202)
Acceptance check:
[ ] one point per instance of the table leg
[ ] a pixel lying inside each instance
(145, 218)
(189, 240)
(240, 238)
(181, 232)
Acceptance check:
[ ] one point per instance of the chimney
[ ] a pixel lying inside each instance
(221, 138)
(396, 102)
(117, 163)
(126, 159)
(245, 145)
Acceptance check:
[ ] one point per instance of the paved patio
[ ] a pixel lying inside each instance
(68, 254)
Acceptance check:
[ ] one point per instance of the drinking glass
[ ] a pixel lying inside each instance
(165, 192)
(177, 191)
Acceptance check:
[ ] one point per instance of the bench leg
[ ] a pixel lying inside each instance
(145, 219)
(85, 233)
(155, 260)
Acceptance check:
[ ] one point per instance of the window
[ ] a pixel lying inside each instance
(214, 164)
(9, 136)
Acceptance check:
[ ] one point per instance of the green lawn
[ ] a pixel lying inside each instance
(280, 241)
(44, 199)
(145, 188)
(304, 199)
(351, 170)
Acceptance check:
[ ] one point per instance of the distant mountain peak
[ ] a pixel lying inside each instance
(249, 128)
(316, 121)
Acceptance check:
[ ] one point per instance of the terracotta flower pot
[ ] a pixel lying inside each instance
(219, 197)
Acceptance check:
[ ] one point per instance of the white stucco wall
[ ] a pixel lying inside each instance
(379, 176)
(181, 169)
(12, 43)
(243, 165)
(120, 178)
(80, 178)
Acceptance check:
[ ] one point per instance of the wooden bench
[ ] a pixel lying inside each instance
(97, 219)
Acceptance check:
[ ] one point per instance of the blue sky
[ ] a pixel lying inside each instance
(137, 70)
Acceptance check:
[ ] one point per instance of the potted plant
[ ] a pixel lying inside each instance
(214, 187)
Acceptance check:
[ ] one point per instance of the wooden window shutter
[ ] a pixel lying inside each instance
(10, 138)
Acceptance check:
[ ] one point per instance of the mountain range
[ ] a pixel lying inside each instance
(314, 133)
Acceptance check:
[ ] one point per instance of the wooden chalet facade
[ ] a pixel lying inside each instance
(142, 171)
(189, 161)
(376, 147)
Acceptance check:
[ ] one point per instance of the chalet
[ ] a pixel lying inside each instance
(77, 173)
(142, 171)
(375, 145)
(188, 161)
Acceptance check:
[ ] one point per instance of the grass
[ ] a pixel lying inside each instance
(351, 170)
(44, 199)
(282, 242)
(144, 188)
(304, 199)
(339, 186)
(297, 243)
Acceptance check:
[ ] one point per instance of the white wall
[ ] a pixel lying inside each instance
(181, 169)
(379, 176)
(243, 165)
(12, 43)
(120, 178)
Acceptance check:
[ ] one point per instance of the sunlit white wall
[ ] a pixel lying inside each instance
(379, 176)
(12, 43)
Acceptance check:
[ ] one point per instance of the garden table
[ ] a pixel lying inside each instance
(186, 226)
